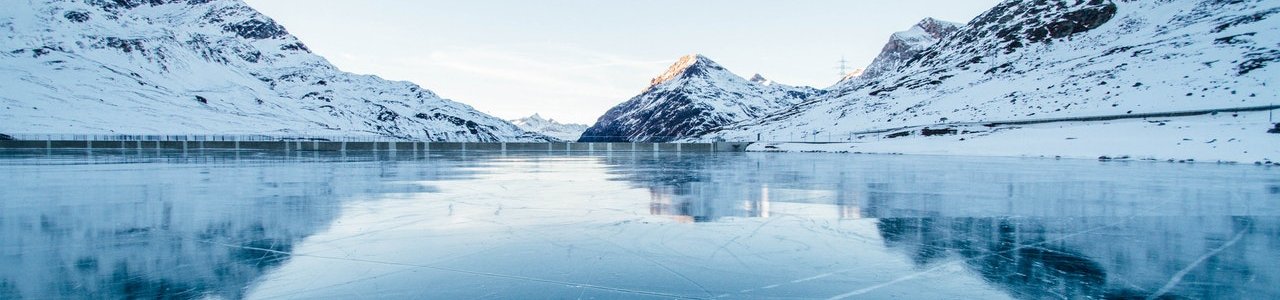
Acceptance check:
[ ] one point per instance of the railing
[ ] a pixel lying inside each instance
(195, 137)
(814, 136)
(630, 139)
(270, 137)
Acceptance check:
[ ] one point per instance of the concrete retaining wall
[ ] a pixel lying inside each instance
(219, 145)
(377, 146)
(446, 146)
(530, 146)
(69, 144)
(25, 144)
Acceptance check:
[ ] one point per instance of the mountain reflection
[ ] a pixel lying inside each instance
(1036, 237)
(167, 226)
(1101, 258)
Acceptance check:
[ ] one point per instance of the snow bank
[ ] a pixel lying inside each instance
(1226, 137)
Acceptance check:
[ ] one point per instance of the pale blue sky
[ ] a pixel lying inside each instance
(574, 59)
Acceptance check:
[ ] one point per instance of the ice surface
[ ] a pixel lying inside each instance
(637, 225)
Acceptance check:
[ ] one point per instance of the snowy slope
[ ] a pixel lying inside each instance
(903, 46)
(549, 127)
(200, 67)
(1225, 137)
(1026, 60)
(693, 96)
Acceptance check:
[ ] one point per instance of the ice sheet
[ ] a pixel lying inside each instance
(637, 225)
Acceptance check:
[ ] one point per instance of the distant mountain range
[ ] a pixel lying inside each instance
(1055, 59)
(1067, 77)
(549, 127)
(201, 67)
(697, 96)
(691, 98)
(220, 67)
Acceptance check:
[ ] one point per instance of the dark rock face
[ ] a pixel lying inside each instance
(1275, 130)
(1257, 60)
(471, 126)
(126, 45)
(76, 16)
(257, 29)
(1252, 18)
(116, 4)
(674, 118)
(113, 5)
(5, 137)
(38, 52)
(296, 47)
(1081, 20)
(1060, 19)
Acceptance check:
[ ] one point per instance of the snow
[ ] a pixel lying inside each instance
(549, 127)
(1236, 138)
(143, 68)
(902, 47)
(695, 95)
(678, 69)
(853, 74)
(1146, 58)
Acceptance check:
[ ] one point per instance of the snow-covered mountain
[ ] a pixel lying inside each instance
(200, 67)
(693, 96)
(549, 127)
(1034, 60)
(904, 45)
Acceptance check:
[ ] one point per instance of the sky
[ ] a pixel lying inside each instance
(572, 60)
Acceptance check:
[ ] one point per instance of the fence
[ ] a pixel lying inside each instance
(194, 137)
(816, 136)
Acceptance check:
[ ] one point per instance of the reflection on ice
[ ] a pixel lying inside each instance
(310, 225)
(1160, 257)
(1074, 230)
(161, 226)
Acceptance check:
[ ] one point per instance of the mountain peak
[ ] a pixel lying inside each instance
(930, 22)
(688, 65)
(928, 29)
(549, 127)
(693, 97)
(904, 45)
(854, 74)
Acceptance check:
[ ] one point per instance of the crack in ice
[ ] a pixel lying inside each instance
(1177, 277)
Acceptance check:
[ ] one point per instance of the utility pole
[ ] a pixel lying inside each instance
(844, 67)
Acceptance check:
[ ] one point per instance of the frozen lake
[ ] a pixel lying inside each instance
(228, 225)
